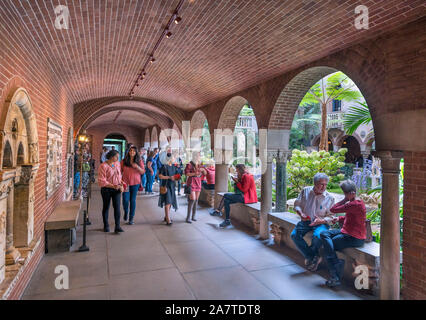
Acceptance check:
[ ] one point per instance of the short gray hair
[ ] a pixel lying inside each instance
(348, 186)
(320, 176)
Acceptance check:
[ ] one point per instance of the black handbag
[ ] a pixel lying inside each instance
(163, 189)
(187, 189)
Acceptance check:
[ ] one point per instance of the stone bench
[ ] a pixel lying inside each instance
(60, 227)
(206, 197)
(283, 223)
(246, 214)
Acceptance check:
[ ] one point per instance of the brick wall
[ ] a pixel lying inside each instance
(414, 223)
(133, 135)
(23, 65)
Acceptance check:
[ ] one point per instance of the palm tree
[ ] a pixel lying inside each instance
(337, 87)
(357, 116)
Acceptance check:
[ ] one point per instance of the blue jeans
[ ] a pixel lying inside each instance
(143, 180)
(149, 181)
(336, 240)
(179, 184)
(302, 228)
(76, 182)
(130, 196)
(230, 198)
(155, 177)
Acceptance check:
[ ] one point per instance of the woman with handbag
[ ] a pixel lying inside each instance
(168, 175)
(193, 171)
(110, 181)
(132, 168)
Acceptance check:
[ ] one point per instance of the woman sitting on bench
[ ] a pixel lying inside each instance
(352, 234)
(245, 193)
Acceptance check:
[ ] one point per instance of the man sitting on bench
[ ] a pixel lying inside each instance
(245, 193)
(313, 206)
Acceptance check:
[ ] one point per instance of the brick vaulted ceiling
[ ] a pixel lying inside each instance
(220, 46)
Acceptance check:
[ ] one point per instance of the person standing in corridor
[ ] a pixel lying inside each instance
(168, 175)
(150, 172)
(193, 171)
(132, 168)
(110, 181)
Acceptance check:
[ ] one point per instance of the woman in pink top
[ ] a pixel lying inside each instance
(210, 176)
(110, 181)
(193, 171)
(352, 234)
(131, 167)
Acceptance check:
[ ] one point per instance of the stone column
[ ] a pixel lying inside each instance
(390, 226)
(23, 206)
(221, 181)
(281, 181)
(266, 197)
(3, 210)
(223, 142)
(12, 254)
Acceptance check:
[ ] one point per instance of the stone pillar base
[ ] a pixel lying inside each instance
(2, 273)
(277, 233)
(12, 256)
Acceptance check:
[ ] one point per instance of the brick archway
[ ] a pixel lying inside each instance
(162, 120)
(147, 139)
(197, 126)
(154, 138)
(198, 119)
(86, 109)
(365, 66)
(288, 101)
(230, 112)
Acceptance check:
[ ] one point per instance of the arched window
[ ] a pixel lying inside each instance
(7, 156)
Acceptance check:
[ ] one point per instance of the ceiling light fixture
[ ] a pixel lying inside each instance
(166, 33)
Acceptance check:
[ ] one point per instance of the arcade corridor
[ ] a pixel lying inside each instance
(200, 261)
(160, 74)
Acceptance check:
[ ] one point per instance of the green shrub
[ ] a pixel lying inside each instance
(303, 166)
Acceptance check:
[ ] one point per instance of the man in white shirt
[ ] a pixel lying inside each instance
(313, 206)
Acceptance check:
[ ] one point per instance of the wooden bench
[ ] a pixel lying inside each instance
(283, 223)
(60, 227)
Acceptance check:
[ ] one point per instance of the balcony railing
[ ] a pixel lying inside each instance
(245, 122)
(335, 120)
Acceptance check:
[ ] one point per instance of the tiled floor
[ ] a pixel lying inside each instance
(199, 261)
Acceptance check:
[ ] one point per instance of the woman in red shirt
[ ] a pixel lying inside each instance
(193, 171)
(352, 234)
(208, 184)
(245, 193)
(131, 168)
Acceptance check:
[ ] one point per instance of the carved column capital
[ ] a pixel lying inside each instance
(390, 160)
(270, 155)
(283, 155)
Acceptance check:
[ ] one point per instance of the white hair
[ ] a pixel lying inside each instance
(320, 176)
